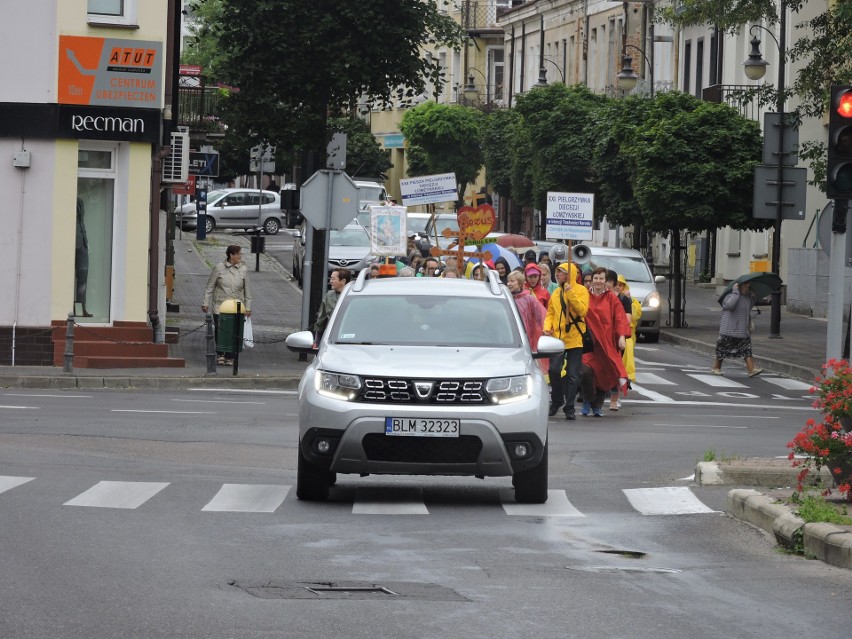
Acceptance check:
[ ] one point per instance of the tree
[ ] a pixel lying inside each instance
(448, 135)
(364, 154)
(554, 128)
(498, 142)
(294, 60)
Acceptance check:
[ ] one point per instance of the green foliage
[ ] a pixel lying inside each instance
(498, 141)
(727, 15)
(364, 154)
(294, 60)
(448, 135)
(709, 455)
(555, 127)
(812, 509)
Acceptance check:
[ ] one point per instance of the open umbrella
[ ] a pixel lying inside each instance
(513, 240)
(496, 251)
(762, 284)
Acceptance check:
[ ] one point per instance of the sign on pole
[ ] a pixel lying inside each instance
(570, 216)
(332, 189)
(204, 163)
(794, 184)
(388, 230)
(429, 189)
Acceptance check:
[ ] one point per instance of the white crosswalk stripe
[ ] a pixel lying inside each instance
(652, 379)
(248, 498)
(788, 384)
(716, 381)
(117, 494)
(268, 498)
(669, 500)
(8, 483)
(557, 505)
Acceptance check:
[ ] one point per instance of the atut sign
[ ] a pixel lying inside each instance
(570, 216)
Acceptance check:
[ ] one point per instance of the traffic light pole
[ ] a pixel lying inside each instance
(775, 308)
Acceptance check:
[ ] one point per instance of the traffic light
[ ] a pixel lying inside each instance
(839, 169)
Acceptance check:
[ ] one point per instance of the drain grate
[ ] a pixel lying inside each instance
(645, 569)
(348, 590)
(629, 554)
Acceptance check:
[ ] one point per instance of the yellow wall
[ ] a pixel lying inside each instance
(135, 244)
(64, 228)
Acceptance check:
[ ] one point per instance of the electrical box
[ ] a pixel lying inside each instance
(22, 159)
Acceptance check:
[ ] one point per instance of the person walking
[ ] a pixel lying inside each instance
(735, 329)
(338, 279)
(533, 284)
(565, 319)
(228, 280)
(532, 313)
(603, 369)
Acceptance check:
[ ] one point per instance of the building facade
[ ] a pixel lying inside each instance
(81, 125)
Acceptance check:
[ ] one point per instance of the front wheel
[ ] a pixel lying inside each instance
(271, 226)
(312, 482)
(209, 224)
(531, 485)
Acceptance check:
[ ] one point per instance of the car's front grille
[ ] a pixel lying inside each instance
(396, 390)
(463, 449)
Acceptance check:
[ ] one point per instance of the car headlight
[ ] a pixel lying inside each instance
(337, 385)
(505, 390)
(653, 300)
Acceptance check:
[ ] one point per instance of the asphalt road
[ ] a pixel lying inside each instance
(174, 515)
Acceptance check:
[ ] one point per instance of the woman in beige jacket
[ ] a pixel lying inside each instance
(228, 280)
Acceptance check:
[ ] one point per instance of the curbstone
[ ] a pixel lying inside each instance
(828, 543)
(788, 530)
(755, 508)
(709, 474)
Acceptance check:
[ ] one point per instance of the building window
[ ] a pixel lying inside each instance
(94, 209)
(699, 68)
(687, 65)
(111, 12)
(495, 73)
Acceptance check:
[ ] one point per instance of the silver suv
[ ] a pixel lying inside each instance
(423, 376)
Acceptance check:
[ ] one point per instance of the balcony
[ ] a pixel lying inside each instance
(745, 98)
(479, 16)
(198, 109)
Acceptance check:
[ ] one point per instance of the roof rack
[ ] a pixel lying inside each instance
(361, 280)
(494, 282)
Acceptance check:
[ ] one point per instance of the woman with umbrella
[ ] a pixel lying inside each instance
(734, 330)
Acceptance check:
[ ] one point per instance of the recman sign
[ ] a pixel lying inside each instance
(429, 189)
(570, 216)
(110, 72)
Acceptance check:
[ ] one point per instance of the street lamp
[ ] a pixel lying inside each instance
(628, 79)
(561, 73)
(755, 69)
(471, 93)
(542, 77)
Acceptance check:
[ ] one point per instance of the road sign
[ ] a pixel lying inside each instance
(794, 187)
(206, 164)
(772, 136)
(429, 189)
(570, 216)
(336, 151)
(315, 199)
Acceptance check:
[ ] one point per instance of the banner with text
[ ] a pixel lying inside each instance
(429, 189)
(570, 216)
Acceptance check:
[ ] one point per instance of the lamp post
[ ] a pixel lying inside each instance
(542, 73)
(627, 78)
(755, 69)
(471, 93)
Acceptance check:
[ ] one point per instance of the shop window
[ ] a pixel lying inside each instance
(111, 12)
(94, 209)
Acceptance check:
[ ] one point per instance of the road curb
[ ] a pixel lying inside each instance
(785, 368)
(765, 475)
(826, 542)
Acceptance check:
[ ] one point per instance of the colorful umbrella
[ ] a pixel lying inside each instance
(513, 240)
(496, 251)
(762, 285)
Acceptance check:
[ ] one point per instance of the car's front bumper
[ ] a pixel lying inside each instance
(487, 439)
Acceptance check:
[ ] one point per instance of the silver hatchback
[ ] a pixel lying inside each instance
(423, 376)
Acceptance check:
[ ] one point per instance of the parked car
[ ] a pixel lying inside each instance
(347, 248)
(423, 376)
(236, 209)
(643, 285)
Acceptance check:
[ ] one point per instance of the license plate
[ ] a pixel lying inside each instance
(421, 427)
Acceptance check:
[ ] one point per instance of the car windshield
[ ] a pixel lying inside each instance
(371, 193)
(634, 269)
(212, 196)
(349, 237)
(425, 320)
(416, 224)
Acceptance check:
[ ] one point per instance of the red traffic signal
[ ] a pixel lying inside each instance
(839, 168)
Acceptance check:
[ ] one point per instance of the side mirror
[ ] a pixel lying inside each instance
(301, 342)
(660, 279)
(548, 346)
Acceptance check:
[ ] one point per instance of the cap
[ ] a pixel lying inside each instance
(530, 255)
(564, 267)
(532, 268)
(622, 279)
(411, 236)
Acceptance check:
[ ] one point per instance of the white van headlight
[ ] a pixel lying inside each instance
(653, 300)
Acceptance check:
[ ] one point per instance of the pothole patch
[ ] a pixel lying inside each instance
(347, 590)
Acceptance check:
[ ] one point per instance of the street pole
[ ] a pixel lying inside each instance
(775, 309)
